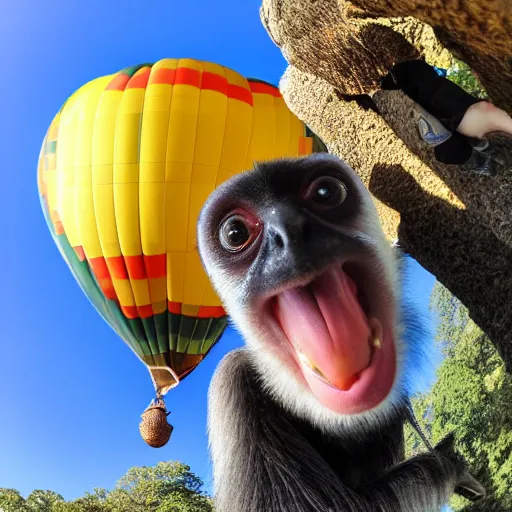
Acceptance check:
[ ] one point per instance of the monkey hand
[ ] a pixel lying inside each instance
(467, 486)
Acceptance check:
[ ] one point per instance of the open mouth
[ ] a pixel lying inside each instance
(343, 349)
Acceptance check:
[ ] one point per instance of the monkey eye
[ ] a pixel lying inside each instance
(237, 232)
(326, 191)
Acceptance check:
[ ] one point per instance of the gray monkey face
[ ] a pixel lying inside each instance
(295, 250)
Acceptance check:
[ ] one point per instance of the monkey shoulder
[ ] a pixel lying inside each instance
(235, 384)
(234, 371)
(237, 361)
(237, 398)
(252, 439)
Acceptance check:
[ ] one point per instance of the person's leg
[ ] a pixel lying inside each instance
(483, 118)
(439, 96)
(455, 151)
(456, 108)
(449, 147)
(444, 101)
(468, 118)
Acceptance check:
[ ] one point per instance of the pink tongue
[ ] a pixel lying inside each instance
(326, 322)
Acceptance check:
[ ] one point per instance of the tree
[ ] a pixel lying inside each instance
(38, 501)
(461, 74)
(43, 501)
(91, 502)
(472, 398)
(456, 224)
(11, 501)
(166, 487)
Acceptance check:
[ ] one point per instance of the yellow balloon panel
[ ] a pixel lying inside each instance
(136, 155)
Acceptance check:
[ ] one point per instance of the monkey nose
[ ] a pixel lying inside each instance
(286, 228)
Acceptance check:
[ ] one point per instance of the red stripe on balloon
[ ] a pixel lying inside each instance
(57, 223)
(303, 146)
(208, 81)
(145, 311)
(187, 76)
(211, 312)
(107, 287)
(118, 83)
(117, 267)
(130, 311)
(162, 76)
(135, 266)
(139, 80)
(101, 271)
(79, 250)
(258, 87)
(174, 307)
(213, 82)
(138, 266)
(240, 93)
(99, 267)
(156, 266)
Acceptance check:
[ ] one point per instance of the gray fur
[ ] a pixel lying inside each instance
(266, 460)
(274, 447)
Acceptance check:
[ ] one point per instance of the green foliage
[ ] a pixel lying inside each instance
(43, 501)
(472, 397)
(11, 501)
(462, 75)
(38, 501)
(166, 487)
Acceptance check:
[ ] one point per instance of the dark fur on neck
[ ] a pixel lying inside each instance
(268, 461)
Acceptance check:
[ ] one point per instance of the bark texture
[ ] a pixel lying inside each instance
(456, 224)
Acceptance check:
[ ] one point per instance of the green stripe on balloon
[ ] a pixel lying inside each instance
(131, 70)
(149, 328)
(147, 337)
(174, 323)
(138, 330)
(201, 332)
(50, 147)
(162, 332)
(186, 330)
(217, 328)
(109, 310)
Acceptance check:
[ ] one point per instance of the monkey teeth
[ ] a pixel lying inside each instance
(305, 361)
(375, 338)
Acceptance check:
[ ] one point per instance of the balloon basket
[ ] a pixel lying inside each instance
(154, 427)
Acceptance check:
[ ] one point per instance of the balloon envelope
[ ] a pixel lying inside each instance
(124, 170)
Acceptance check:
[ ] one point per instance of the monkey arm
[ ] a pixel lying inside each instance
(261, 462)
(425, 482)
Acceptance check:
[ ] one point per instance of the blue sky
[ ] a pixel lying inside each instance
(71, 392)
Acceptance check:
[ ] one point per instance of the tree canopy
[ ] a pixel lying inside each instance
(166, 487)
(471, 398)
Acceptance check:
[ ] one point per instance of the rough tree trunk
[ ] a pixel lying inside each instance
(476, 31)
(457, 225)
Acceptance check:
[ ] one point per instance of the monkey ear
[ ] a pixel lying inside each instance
(446, 445)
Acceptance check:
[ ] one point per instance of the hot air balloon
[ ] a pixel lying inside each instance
(124, 170)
